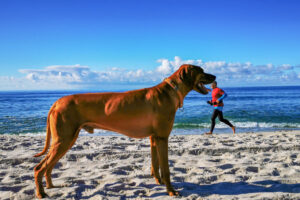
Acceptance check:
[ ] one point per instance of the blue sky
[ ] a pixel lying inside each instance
(146, 38)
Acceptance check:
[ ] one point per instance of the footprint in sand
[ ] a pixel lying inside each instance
(275, 172)
(208, 180)
(214, 160)
(226, 166)
(127, 168)
(206, 143)
(242, 178)
(293, 156)
(27, 177)
(106, 166)
(252, 169)
(232, 171)
(266, 160)
(77, 147)
(179, 169)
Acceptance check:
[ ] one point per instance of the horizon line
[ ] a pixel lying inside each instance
(121, 90)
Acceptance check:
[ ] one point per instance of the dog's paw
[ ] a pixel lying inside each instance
(173, 193)
(158, 181)
(41, 195)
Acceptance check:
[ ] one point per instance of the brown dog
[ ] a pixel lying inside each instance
(140, 113)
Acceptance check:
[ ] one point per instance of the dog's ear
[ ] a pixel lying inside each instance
(187, 74)
(183, 71)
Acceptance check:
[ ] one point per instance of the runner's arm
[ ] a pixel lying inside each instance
(222, 97)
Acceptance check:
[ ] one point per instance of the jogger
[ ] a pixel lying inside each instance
(217, 101)
(219, 114)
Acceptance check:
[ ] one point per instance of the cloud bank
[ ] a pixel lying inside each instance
(83, 77)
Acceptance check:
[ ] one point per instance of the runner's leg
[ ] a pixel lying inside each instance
(221, 118)
(213, 120)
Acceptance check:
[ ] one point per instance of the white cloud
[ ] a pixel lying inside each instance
(71, 73)
(78, 76)
(286, 67)
(165, 67)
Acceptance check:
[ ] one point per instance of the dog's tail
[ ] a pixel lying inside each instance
(48, 135)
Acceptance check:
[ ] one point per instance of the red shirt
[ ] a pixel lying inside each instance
(216, 94)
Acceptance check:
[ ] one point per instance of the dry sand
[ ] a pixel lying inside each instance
(243, 166)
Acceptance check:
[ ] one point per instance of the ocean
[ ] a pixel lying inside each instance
(250, 109)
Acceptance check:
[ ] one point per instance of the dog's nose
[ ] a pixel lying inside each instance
(211, 77)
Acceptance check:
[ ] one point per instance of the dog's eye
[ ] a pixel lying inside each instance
(201, 70)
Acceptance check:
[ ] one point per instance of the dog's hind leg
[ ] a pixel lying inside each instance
(48, 172)
(39, 170)
(57, 150)
(63, 137)
(154, 161)
(59, 155)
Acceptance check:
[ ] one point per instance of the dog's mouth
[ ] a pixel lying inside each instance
(204, 80)
(201, 88)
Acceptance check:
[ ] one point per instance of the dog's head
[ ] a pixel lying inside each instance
(195, 77)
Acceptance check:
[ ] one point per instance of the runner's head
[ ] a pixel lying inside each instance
(213, 84)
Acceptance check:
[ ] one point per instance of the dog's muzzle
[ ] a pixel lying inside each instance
(200, 87)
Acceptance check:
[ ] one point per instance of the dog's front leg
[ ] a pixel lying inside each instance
(154, 161)
(162, 149)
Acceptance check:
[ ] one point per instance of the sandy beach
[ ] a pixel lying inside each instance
(243, 166)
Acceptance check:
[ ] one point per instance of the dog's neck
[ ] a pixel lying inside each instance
(180, 90)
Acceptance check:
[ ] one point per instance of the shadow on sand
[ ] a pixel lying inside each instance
(237, 188)
(186, 189)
